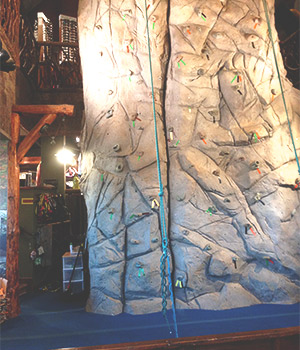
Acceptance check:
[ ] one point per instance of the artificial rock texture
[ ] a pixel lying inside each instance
(228, 166)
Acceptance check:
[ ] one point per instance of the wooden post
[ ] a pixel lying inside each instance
(33, 136)
(13, 230)
(67, 110)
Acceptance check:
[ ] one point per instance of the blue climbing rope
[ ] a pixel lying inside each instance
(165, 254)
(280, 83)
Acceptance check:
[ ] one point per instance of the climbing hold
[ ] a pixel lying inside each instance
(141, 272)
(111, 211)
(257, 21)
(214, 209)
(202, 137)
(224, 153)
(217, 35)
(183, 62)
(249, 227)
(206, 52)
(268, 259)
(234, 260)
(177, 143)
(110, 113)
(273, 92)
(258, 198)
(102, 177)
(110, 92)
(119, 167)
(126, 12)
(200, 72)
(207, 247)
(202, 15)
(297, 182)
(171, 131)
(154, 203)
(217, 173)
(251, 37)
(256, 136)
(117, 147)
(140, 154)
(179, 283)
(185, 232)
(211, 210)
(154, 240)
(180, 198)
(135, 241)
(214, 113)
(254, 165)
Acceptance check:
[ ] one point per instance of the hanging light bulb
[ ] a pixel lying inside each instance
(65, 156)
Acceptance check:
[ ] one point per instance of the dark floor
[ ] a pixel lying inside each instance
(49, 321)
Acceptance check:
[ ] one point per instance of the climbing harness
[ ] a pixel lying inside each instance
(280, 83)
(165, 258)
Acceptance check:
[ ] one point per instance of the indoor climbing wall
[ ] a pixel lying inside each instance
(230, 177)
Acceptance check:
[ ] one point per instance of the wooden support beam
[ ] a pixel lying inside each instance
(33, 136)
(67, 110)
(13, 230)
(31, 160)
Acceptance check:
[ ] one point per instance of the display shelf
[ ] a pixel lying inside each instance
(38, 188)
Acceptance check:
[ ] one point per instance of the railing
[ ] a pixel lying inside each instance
(58, 66)
(9, 25)
(50, 66)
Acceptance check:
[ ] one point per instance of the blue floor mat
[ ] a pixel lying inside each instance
(49, 322)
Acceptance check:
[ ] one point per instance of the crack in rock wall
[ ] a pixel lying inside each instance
(228, 167)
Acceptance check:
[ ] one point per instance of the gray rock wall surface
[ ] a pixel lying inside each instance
(228, 167)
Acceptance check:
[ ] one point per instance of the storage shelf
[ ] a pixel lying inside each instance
(38, 188)
(68, 266)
